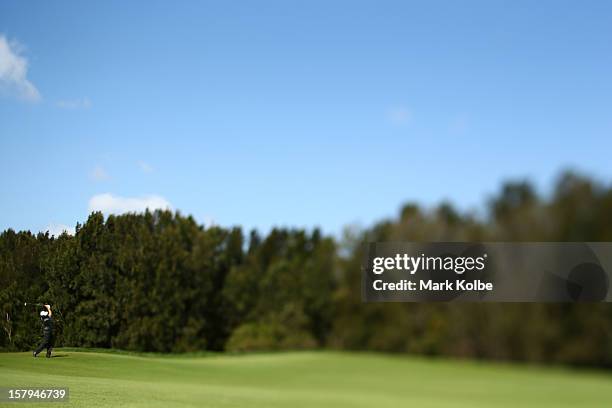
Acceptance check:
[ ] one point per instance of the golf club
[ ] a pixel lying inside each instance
(37, 304)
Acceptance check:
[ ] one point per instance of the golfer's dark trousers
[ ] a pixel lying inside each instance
(47, 343)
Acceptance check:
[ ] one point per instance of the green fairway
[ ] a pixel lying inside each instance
(300, 379)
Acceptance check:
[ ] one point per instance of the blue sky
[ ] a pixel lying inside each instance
(294, 113)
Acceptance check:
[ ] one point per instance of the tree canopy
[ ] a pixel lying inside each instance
(158, 281)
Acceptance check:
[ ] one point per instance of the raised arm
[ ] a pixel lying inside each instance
(49, 309)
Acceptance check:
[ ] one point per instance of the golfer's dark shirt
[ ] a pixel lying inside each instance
(48, 326)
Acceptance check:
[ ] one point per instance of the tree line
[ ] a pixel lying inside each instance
(159, 281)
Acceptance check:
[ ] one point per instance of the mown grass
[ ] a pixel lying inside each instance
(299, 379)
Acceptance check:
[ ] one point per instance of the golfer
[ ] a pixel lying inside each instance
(47, 327)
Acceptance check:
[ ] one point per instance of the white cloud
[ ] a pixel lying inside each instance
(209, 221)
(399, 115)
(78, 103)
(145, 167)
(13, 72)
(55, 230)
(99, 174)
(111, 204)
